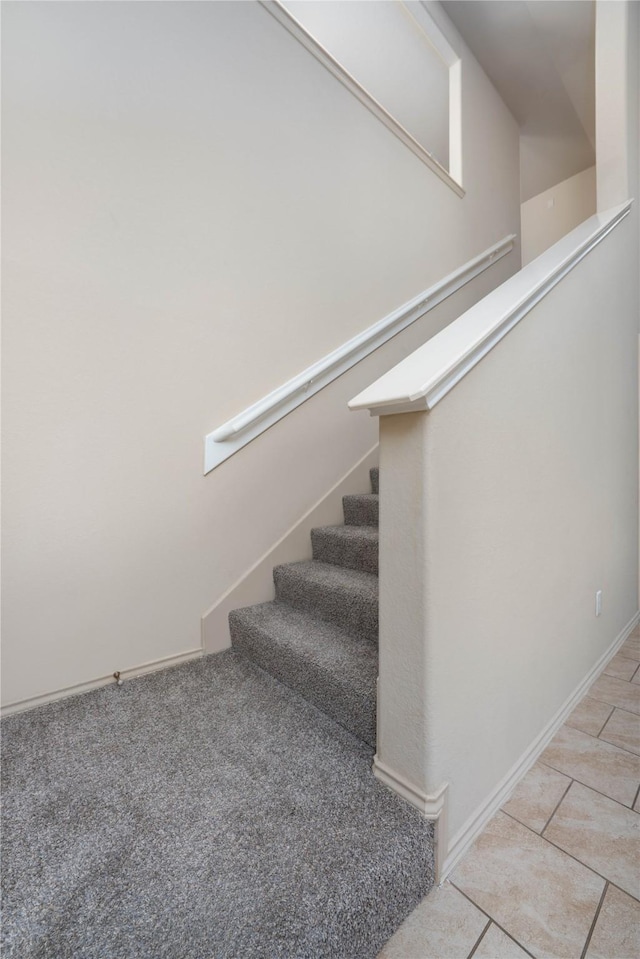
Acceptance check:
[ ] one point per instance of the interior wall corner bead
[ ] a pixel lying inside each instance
(231, 436)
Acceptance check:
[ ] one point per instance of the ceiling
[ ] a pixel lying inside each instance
(540, 56)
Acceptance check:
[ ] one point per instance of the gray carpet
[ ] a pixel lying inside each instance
(203, 812)
(335, 671)
(320, 634)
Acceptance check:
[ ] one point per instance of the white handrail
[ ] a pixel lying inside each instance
(241, 429)
(424, 378)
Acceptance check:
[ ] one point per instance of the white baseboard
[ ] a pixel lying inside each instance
(433, 806)
(429, 804)
(256, 585)
(459, 843)
(141, 670)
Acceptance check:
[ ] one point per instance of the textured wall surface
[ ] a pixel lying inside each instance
(526, 476)
(194, 211)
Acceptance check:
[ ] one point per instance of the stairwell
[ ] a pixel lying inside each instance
(287, 845)
(319, 636)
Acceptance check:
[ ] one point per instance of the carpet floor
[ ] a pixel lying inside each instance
(201, 812)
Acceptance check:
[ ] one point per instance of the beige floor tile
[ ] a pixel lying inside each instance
(636, 804)
(616, 692)
(604, 767)
(623, 729)
(543, 898)
(631, 647)
(617, 931)
(621, 666)
(590, 716)
(444, 926)
(636, 677)
(600, 833)
(496, 945)
(536, 796)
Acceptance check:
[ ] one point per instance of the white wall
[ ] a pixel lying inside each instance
(388, 53)
(540, 57)
(194, 211)
(508, 506)
(618, 112)
(615, 64)
(551, 215)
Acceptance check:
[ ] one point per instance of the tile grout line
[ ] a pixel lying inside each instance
(479, 939)
(624, 655)
(587, 786)
(555, 809)
(604, 702)
(579, 861)
(635, 673)
(624, 749)
(490, 918)
(623, 891)
(613, 709)
(607, 882)
(622, 678)
(555, 846)
(595, 919)
(599, 734)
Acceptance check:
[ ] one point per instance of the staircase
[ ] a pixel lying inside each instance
(264, 833)
(319, 636)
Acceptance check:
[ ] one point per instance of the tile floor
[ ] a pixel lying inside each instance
(556, 873)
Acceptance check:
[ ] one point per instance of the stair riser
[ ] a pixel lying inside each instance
(360, 511)
(375, 479)
(350, 554)
(357, 615)
(352, 710)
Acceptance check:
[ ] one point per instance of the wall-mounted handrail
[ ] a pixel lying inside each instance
(241, 429)
(427, 375)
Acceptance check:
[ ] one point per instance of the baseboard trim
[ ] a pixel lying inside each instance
(459, 844)
(429, 804)
(432, 806)
(150, 667)
(256, 585)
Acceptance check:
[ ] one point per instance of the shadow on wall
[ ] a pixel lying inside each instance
(549, 216)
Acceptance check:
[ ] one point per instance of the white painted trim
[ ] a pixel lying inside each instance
(429, 804)
(455, 121)
(256, 584)
(433, 806)
(424, 378)
(79, 688)
(421, 13)
(465, 836)
(237, 432)
(296, 29)
(423, 17)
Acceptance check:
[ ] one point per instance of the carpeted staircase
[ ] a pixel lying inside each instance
(319, 635)
(214, 811)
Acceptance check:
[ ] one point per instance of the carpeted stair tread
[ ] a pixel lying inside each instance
(360, 509)
(347, 597)
(331, 669)
(374, 475)
(355, 547)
